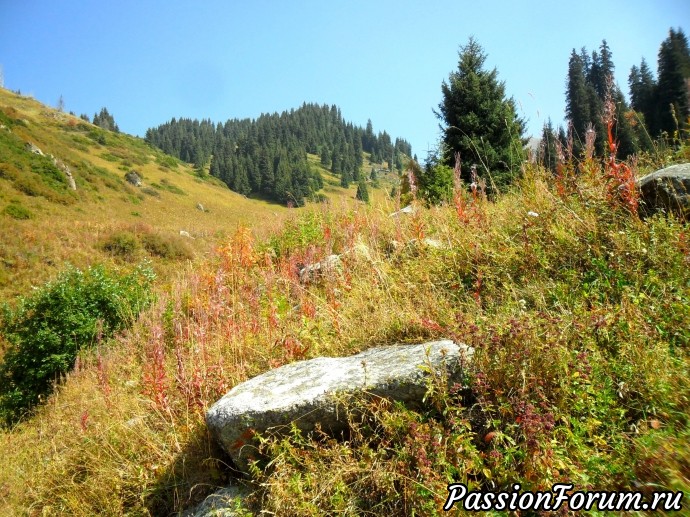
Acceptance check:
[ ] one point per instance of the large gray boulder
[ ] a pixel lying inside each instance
(312, 392)
(666, 189)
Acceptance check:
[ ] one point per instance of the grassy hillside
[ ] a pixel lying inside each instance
(45, 224)
(578, 311)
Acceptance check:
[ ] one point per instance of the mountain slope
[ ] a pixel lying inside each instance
(45, 224)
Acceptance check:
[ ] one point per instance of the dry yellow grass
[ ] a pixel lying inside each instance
(578, 316)
(125, 434)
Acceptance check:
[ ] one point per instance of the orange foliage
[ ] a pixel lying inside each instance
(622, 185)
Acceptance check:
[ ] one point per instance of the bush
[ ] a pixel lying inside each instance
(98, 136)
(319, 197)
(30, 186)
(47, 330)
(151, 192)
(122, 244)
(166, 246)
(167, 162)
(165, 184)
(18, 211)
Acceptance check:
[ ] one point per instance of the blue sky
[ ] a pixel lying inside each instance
(149, 61)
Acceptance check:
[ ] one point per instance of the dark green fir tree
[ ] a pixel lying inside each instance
(479, 121)
(362, 191)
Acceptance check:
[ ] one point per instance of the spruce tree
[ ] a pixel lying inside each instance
(626, 138)
(674, 70)
(435, 181)
(642, 95)
(592, 97)
(479, 121)
(345, 179)
(283, 182)
(362, 191)
(105, 120)
(325, 156)
(548, 156)
(601, 69)
(266, 172)
(578, 103)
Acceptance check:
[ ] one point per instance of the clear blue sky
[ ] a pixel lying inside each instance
(149, 61)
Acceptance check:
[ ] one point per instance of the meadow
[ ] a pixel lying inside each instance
(578, 311)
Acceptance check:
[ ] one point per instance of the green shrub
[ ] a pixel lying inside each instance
(30, 186)
(49, 172)
(122, 244)
(18, 211)
(299, 234)
(166, 246)
(98, 136)
(47, 330)
(319, 197)
(167, 162)
(171, 188)
(151, 192)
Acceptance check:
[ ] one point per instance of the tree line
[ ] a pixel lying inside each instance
(658, 111)
(102, 119)
(483, 137)
(267, 156)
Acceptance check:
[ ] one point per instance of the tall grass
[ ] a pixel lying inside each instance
(578, 311)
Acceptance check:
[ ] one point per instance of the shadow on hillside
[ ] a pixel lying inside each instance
(199, 469)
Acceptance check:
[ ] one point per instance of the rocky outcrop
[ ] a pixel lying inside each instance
(133, 178)
(66, 170)
(226, 502)
(666, 190)
(311, 393)
(33, 148)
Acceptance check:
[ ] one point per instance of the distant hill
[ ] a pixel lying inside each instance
(268, 156)
(64, 198)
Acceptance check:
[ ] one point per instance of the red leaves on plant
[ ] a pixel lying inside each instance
(623, 188)
(83, 420)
